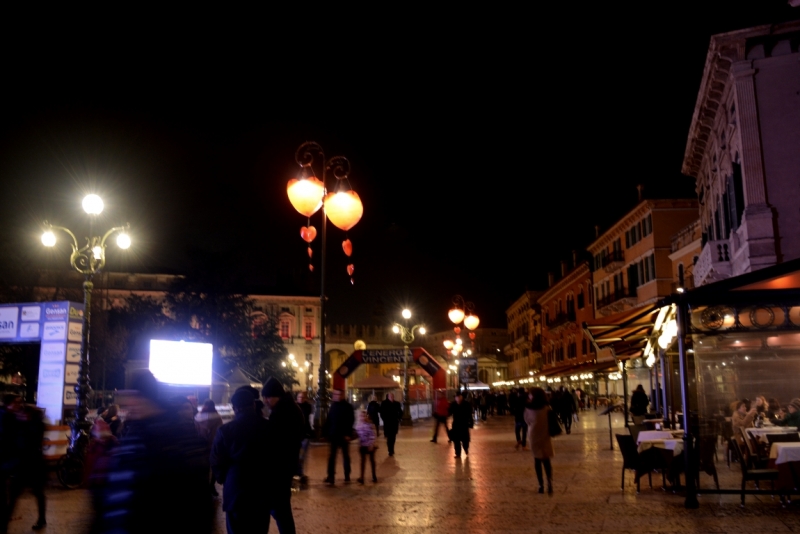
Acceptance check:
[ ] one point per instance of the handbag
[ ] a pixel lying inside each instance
(553, 426)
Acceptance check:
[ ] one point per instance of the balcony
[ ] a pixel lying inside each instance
(613, 261)
(713, 264)
(616, 301)
(561, 321)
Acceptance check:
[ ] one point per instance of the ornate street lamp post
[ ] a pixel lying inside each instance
(407, 336)
(87, 260)
(462, 312)
(343, 207)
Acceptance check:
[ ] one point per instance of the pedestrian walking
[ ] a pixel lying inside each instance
(241, 464)
(366, 444)
(566, 407)
(518, 410)
(159, 470)
(391, 413)
(483, 404)
(287, 433)
(308, 410)
(461, 411)
(28, 468)
(374, 412)
(441, 413)
(537, 413)
(339, 431)
(207, 422)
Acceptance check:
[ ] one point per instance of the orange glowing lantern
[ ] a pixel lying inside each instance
(448, 344)
(471, 321)
(344, 209)
(456, 315)
(305, 194)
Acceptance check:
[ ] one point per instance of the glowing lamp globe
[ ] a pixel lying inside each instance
(48, 239)
(305, 195)
(344, 209)
(471, 321)
(92, 204)
(448, 344)
(123, 241)
(456, 315)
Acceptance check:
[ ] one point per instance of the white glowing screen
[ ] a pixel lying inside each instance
(181, 362)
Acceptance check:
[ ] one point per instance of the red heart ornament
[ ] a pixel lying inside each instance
(350, 269)
(347, 246)
(310, 252)
(308, 233)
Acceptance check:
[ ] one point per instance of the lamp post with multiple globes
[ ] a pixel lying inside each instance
(88, 260)
(343, 207)
(407, 336)
(462, 312)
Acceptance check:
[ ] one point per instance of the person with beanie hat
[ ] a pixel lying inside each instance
(287, 432)
(792, 418)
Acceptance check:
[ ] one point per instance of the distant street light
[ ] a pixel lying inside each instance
(87, 260)
(407, 336)
(462, 312)
(343, 207)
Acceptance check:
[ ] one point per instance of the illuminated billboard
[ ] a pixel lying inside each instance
(181, 363)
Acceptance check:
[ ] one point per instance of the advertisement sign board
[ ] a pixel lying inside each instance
(468, 370)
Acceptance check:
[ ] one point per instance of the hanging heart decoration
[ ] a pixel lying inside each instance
(352, 281)
(457, 330)
(347, 246)
(310, 252)
(310, 267)
(308, 233)
(350, 269)
(472, 335)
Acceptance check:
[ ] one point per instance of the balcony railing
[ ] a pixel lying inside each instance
(613, 261)
(562, 319)
(714, 263)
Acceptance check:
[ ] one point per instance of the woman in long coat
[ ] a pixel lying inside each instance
(537, 416)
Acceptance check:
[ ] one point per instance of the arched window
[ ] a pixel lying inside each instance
(581, 298)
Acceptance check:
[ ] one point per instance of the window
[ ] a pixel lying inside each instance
(309, 330)
(309, 310)
(581, 303)
(285, 334)
(584, 346)
(309, 356)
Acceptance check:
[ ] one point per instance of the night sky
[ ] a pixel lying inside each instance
(485, 145)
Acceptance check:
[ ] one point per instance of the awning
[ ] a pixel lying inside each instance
(624, 334)
(582, 367)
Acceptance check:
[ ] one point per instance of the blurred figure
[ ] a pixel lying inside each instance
(241, 464)
(339, 431)
(391, 413)
(287, 433)
(373, 410)
(159, 473)
(537, 416)
(520, 426)
(639, 401)
(27, 467)
(440, 414)
(207, 422)
(792, 418)
(307, 410)
(111, 417)
(461, 411)
(366, 444)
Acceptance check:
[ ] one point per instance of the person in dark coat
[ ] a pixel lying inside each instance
(29, 468)
(517, 406)
(639, 401)
(288, 431)
(373, 411)
(339, 431)
(308, 411)
(241, 463)
(462, 422)
(159, 470)
(566, 407)
(391, 413)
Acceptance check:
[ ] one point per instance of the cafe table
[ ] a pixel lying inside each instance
(785, 457)
(761, 433)
(646, 435)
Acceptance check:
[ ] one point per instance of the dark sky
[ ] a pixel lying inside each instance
(485, 145)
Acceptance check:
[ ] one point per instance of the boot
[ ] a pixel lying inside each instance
(549, 487)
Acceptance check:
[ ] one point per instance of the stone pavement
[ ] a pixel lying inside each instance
(423, 489)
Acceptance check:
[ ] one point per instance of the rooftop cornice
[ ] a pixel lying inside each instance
(580, 272)
(724, 49)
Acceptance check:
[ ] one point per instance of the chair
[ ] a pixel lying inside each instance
(630, 457)
(706, 458)
(637, 419)
(755, 458)
(634, 430)
(783, 438)
(755, 475)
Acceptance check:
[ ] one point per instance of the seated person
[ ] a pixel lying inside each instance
(742, 418)
(774, 410)
(793, 417)
(761, 405)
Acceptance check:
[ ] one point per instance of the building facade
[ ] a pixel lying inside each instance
(523, 352)
(742, 152)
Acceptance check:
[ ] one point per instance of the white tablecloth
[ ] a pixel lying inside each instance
(761, 433)
(785, 452)
(647, 435)
(675, 445)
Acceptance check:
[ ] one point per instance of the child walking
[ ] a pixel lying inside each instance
(366, 442)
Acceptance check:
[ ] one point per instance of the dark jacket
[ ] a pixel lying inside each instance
(307, 410)
(159, 470)
(241, 462)
(341, 418)
(288, 431)
(391, 413)
(462, 420)
(639, 403)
